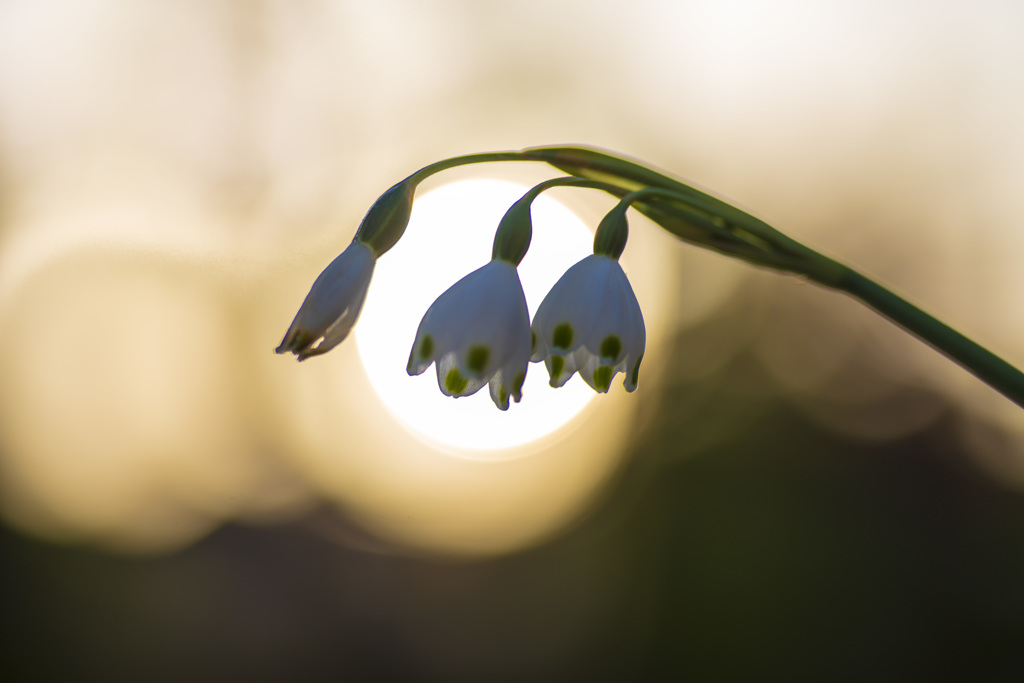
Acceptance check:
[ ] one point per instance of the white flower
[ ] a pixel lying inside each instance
(477, 333)
(590, 322)
(332, 305)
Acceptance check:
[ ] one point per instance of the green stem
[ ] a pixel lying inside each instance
(445, 164)
(508, 155)
(976, 359)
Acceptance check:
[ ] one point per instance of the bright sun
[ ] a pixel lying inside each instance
(449, 235)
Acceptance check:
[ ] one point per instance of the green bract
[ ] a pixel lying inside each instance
(385, 222)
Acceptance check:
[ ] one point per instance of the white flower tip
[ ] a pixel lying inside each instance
(537, 353)
(500, 393)
(601, 381)
(633, 376)
(560, 369)
(300, 342)
(296, 341)
(455, 384)
(332, 306)
(421, 356)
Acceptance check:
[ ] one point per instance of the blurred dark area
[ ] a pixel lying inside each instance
(742, 541)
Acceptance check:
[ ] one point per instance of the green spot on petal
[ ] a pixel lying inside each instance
(517, 384)
(503, 396)
(561, 338)
(476, 359)
(455, 383)
(603, 378)
(533, 341)
(557, 365)
(634, 374)
(611, 347)
(426, 347)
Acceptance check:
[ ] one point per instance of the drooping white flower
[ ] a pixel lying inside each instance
(477, 333)
(590, 322)
(332, 305)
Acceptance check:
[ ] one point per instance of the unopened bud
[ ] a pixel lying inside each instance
(612, 232)
(385, 222)
(512, 239)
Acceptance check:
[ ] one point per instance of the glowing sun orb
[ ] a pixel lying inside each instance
(450, 235)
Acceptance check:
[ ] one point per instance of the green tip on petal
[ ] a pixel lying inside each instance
(561, 338)
(426, 347)
(455, 383)
(533, 341)
(603, 378)
(517, 385)
(299, 342)
(557, 365)
(634, 374)
(611, 347)
(476, 359)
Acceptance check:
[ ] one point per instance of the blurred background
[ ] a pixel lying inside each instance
(798, 488)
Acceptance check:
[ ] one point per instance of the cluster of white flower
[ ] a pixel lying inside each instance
(479, 331)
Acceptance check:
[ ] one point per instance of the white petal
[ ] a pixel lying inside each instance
(596, 302)
(502, 323)
(564, 363)
(333, 304)
(479, 333)
(618, 322)
(452, 381)
(588, 365)
(575, 299)
(508, 382)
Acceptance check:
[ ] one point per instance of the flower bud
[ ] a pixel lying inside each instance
(385, 222)
(512, 239)
(612, 232)
(333, 304)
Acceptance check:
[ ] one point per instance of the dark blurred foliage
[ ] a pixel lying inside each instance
(743, 541)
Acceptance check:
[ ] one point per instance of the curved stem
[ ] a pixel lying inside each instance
(570, 181)
(976, 359)
(445, 164)
(484, 157)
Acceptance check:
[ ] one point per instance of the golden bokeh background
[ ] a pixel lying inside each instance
(173, 176)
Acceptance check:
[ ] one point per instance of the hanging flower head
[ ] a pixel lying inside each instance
(332, 305)
(336, 298)
(478, 331)
(590, 322)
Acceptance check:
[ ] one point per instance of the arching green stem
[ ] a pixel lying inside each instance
(485, 157)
